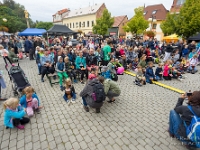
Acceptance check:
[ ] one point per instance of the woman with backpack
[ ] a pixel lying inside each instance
(93, 94)
(181, 120)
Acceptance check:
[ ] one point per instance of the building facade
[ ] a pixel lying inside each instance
(176, 6)
(155, 15)
(83, 19)
(117, 27)
(58, 16)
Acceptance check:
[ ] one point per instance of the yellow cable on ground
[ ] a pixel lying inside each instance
(160, 84)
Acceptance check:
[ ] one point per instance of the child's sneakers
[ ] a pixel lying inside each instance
(68, 102)
(73, 100)
(20, 127)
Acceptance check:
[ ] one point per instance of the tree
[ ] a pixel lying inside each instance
(44, 25)
(14, 13)
(189, 19)
(186, 23)
(103, 23)
(137, 24)
(169, 26)
(149, 33)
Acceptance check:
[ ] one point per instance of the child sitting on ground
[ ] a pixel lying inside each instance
(105, 72)
(70, 95)
(119, 68)
(12, 55)
(166, 71)
(60, 69)
(150, 76)
(193, 63)
(70, 69)
(14, 114)
(159, 72)
(135, 64)
(20, 54)
(140, 78)
(93, 73)
(30, 101)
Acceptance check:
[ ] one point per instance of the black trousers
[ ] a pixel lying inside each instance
(31, 54)
(71, 74)
(6, 57)
(83, 72)
(22, 121)
(45, 70)
(105, 62)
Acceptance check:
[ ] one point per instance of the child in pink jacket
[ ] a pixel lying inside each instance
(166, 70)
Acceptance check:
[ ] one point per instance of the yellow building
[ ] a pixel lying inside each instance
(83, 19)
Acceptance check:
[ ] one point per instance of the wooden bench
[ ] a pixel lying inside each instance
(50, 78)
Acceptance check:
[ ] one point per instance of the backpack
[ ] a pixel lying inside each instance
(193, 130)
(98, 94)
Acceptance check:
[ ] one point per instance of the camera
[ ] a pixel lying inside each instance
(189, 93)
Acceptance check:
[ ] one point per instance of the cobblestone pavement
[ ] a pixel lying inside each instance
(137, 120)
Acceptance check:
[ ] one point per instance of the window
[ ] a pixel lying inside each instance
(180, 2)
(73, 25)
(145, 13)
(76, 24)
(70, 26)
(92, 23)
(79, 24)
(67, 25)
(154, 12)
(83, 24)
(154, 26)
(88, 24)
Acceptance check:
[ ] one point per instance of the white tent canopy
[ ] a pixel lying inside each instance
(4, 33)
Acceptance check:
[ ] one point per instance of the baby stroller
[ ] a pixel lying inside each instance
(18, 79)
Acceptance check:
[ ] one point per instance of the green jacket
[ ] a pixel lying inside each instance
(106, 51)
(110, 85)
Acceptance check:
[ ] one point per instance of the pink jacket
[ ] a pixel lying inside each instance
(166, 71)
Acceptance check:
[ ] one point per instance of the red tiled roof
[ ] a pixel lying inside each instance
(118, 20)
(161, 12)
(175, 8)
(60, 12)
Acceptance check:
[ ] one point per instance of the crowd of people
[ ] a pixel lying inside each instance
(98, 62)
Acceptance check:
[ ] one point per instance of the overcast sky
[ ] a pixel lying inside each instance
(42, 10)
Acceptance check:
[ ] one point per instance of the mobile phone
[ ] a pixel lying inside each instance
(189, 94)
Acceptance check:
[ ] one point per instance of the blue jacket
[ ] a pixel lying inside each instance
(106, 75)
(185, 52)
(45, 59)
(28, 45)
(80, 61)
(60, 66)
(24, 103)
(149, 73)
(10, 114)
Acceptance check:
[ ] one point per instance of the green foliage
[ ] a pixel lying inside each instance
(103, 23)
(169, 25)
(186, 23)
(137, 24)
(14, 13)
(150, 33)
(44, 25)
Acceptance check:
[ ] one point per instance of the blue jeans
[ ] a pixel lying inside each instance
(39, 68)
(190, 68)
(159, 78)
(174, 123)
(148, 79)
(73, 96)
(84, 101)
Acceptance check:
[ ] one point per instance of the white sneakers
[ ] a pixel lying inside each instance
(71, 101)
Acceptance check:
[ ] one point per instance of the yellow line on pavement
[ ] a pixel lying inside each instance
(160, 84)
